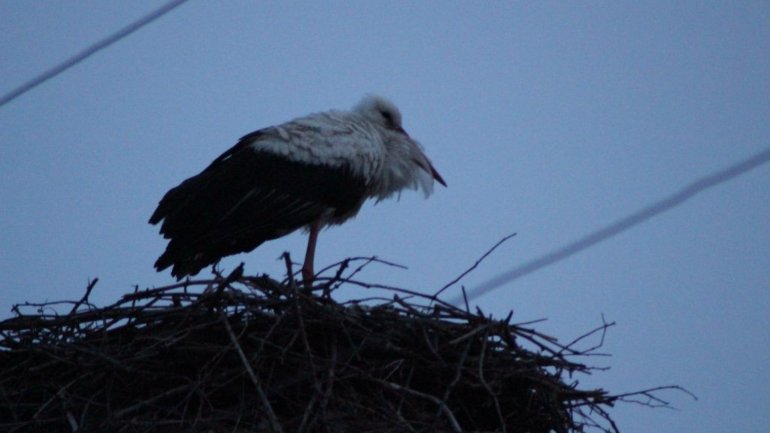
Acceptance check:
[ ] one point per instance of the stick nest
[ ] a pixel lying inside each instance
(250, 354)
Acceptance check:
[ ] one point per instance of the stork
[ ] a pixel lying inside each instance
(314, 171)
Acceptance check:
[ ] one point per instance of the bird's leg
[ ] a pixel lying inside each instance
(307, 266)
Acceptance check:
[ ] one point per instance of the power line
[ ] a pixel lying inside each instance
(619, 226)
(79, 57)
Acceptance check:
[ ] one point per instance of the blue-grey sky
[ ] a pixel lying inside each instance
(548, 119)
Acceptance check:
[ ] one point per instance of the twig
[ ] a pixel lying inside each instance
(653, 400)
(130, 409)
(602, 328)
(447, 412)
(275, 427)
(289, 271)
(86, 295)
(458, 373)
(235, 275)
(474, 266)
(488, 388)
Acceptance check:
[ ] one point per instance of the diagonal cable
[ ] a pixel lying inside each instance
(79, 57)
(619, 226)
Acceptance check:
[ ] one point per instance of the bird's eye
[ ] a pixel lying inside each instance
(387, 116)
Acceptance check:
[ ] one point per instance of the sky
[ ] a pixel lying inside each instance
(550, 120)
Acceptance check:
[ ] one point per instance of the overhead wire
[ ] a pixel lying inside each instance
(89, 51)
(667, 203)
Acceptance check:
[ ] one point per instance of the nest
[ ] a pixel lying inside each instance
(251, 354)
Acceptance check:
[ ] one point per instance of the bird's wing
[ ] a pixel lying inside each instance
(245, 197)
(333, 139)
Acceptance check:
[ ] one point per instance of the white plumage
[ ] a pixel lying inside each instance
(312, 172)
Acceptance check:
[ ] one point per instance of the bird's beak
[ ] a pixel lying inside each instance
(426, 165)
(436, 176)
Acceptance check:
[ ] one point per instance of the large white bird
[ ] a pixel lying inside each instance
(312, 172)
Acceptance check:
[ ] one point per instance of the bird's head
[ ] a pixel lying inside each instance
(381, 112)
(406, 163)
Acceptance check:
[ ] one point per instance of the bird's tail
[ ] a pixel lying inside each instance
(182, 265)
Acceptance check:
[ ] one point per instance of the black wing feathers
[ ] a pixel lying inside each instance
(243, 199)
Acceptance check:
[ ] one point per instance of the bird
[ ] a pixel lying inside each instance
(311, 172)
